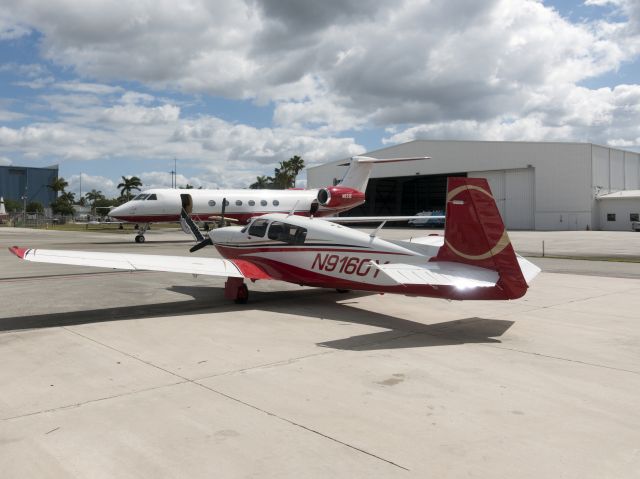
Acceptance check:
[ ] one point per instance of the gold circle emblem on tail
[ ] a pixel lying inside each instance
(502, 243)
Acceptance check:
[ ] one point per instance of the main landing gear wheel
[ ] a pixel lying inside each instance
(236, 290)
(141, 231)
(139, 239)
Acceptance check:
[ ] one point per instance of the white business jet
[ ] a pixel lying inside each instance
(163, 205)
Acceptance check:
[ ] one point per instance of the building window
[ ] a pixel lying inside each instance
(634, 217)
(263, 203)
(238, 202)
(252, 203)
(212, 203)
(276, 202)
(611, 216)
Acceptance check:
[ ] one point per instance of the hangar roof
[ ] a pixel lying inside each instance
(620, 195)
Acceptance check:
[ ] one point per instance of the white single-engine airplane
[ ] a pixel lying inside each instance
(166, 204)
(474, 259)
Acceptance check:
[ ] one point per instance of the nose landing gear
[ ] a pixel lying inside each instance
(141, 232)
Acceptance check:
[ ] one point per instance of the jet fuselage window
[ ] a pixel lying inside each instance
(152, 196)
(238, 202)
(287, 233)
(258, 228)
(263, 202)
(276, 202)
(252, 203)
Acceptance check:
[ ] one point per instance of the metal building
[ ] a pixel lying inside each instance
(537, 185)
(17, 182)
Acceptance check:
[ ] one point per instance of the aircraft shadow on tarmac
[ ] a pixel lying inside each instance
(307, 303)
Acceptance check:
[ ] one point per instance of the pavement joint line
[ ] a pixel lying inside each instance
(89, 401)
(549, 356)
(302, 426)
(196, 383)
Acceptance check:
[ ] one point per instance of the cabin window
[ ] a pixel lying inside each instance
(212, 203)
(258, 228)
(276, 202)
(252, 203)
(634, 217)
(238, 202)
(152, 197)
(611, 216)
(287, 233)
(140, 197)
(263, 202)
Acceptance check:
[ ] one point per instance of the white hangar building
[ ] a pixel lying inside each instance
(537, 185)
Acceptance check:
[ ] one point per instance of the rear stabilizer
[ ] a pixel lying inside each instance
(475, 234)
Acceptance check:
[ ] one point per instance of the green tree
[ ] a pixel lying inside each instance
(58, 185)
(93, 196)
(12, 206)
(285, 174)
(262, 183)
(129, 184)
(34, 207)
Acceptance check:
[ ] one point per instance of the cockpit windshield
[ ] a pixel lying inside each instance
(287, 233)
(258, 228)
(152, 197)
(141, 197)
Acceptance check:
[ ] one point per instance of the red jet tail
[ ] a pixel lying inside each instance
(475, 234)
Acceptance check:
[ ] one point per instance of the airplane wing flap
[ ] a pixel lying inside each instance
(440, 273)
(132, 262)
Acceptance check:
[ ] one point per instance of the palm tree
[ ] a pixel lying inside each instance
(261, 183)
(128, 184)
(93, 196)
(58, 185)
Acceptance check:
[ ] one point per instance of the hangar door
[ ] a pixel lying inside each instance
(513, 191)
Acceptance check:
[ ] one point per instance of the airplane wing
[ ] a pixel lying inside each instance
(146, 262)
(375, 219)
(439, 273)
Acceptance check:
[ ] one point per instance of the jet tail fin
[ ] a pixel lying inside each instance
(357, 175)
(475, 235)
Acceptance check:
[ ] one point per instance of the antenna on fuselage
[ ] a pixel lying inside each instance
(293, 210)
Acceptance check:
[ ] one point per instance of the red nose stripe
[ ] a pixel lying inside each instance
(19, 252)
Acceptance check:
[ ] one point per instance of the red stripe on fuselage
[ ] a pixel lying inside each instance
(240, 217)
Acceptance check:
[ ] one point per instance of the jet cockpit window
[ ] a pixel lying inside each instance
(140, 197)
(287, 233)
(152, 196)
(258, 228)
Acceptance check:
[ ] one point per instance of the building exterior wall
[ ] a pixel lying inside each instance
(16, 181)
(622, 208)
(565, 176)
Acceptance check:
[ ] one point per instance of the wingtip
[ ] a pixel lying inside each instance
(19, 252)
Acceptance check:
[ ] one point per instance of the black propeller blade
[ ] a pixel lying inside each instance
(201, 245)
(224, 205)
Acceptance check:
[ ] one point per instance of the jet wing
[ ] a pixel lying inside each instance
(375, 219)
(147, 262)
(440, 273)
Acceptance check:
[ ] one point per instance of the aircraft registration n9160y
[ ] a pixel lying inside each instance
(474, 260)
(167, 205)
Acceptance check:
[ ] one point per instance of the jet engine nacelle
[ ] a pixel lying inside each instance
(340, 197)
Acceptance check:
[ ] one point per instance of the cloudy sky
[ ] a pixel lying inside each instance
(230, 88)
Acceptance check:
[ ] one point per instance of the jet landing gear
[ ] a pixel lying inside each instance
(235, 289)
(141, 232)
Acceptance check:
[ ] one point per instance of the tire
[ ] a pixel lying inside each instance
(139, 239)
(242, 295)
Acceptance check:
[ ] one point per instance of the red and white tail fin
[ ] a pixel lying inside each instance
(475, 234)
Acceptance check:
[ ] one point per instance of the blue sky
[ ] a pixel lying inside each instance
(232, 88)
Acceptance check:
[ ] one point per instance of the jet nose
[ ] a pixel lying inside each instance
(116, 212)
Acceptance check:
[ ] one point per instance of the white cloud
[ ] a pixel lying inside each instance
(91, 182)
(497, 69)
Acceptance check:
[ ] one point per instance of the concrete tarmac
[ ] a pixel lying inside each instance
(129, 375)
